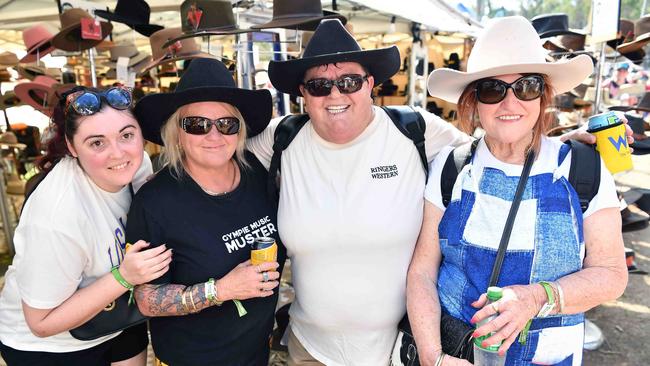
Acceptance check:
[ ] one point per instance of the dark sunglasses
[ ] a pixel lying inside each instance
(347, 84)
(86, 102)
(493, 91)
(203, 125)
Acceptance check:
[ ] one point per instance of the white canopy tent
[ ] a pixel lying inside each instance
(434, 15)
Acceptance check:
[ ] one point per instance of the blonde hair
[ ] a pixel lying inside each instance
(468, 119)
(173, 154)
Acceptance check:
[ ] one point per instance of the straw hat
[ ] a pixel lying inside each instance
(8, 59)
(641, 36)
(509, 45)
(69, 38)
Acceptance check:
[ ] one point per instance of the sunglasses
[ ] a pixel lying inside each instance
(493, 91)
(203, 125)
(347, 84)
(86, 102)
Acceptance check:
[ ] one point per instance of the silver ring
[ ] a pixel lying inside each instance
(265, 277)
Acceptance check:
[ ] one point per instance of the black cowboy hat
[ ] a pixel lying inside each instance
(206, 17)
(642, 105)
(331, 43)
(549, 25)
(298, 14)
(134, 13)
(205, 80)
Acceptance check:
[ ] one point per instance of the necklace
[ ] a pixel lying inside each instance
(232, 184)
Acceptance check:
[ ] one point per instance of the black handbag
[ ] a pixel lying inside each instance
(116, 316)
(455, 334)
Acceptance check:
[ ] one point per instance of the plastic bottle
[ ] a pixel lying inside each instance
(488, 356)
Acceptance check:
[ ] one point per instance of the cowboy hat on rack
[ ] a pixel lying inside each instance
(204, 80)
(30, 71)
(184, 49)
(524, 55)
(38, 41)
(8, 59)
(129, 51)
(298, 14)
(134, 13)
(549, 25)
(641, 36)
(9, 100)
(69, 37)
(206, 18)
(331, 43)
(36, 93)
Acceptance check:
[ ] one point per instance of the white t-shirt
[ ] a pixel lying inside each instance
(546, 162)
(350, 215)
(71, 232)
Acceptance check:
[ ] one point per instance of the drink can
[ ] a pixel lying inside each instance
(611, 141)
(264, 249)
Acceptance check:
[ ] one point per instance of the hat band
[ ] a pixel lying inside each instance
(298, 15)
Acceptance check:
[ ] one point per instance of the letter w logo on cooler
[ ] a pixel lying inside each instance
(618, 143)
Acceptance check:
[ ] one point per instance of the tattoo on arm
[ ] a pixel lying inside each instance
(167, 299)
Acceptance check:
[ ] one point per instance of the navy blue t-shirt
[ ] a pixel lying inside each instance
(210, 235)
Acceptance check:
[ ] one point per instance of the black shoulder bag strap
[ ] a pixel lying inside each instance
(285, 132)
(505, 237)
(411, 124)
(584, 173)
(457, 159)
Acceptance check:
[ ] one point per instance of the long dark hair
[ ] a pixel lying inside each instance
(65, 126)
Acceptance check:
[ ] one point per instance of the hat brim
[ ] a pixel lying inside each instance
(301, 23)
(381, 63)
(627, 108)
(635, 45)
(178, 57)
(43, 47)
(564, 75)
(153, 110)
(205, 33)
(69, 38)
(132, 61)
(145, 29)
(26, 92)
(559, 32)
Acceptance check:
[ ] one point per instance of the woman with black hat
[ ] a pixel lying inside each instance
(208, 204)
(70, 250)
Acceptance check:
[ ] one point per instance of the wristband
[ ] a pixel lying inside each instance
(118, 277)
(440, 359)
(560, 295)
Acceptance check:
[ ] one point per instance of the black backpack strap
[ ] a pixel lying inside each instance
(285, 132)
(412, 125)
(456, 160)
(584, 173)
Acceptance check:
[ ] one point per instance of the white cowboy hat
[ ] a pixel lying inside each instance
(509, 45)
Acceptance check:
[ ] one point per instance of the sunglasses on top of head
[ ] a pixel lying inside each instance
(493, 91)
(346, 84)
(87, 102)
(202, 125)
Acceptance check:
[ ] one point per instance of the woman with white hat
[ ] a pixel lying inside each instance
(559, 262)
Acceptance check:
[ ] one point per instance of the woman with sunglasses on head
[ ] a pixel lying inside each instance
(70, 243)
(209, 203)
(559, 262)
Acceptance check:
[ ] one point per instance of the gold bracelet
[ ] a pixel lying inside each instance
(192, 300)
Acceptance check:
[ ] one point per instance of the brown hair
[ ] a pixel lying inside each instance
(65, 126)
(468, 119)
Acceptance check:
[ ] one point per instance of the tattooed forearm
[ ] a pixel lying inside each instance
(171, 299)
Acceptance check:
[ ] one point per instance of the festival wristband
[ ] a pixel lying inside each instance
(240, 308)
(118, 277)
